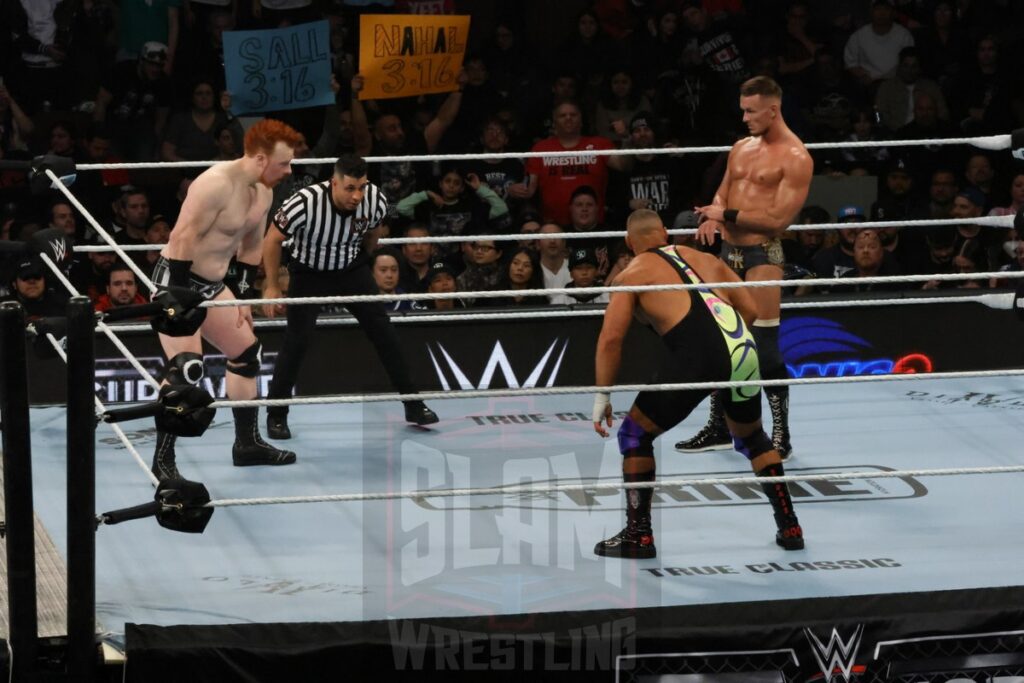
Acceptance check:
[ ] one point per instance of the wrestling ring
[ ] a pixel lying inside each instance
(465, 550)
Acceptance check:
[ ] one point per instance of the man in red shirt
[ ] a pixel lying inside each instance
(557, 177)
(122, 290)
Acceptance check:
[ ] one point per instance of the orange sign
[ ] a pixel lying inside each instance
(410, 54)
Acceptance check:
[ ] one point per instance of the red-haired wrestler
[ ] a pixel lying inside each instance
(223, 217)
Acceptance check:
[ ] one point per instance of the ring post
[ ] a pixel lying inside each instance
(81, 435)
(19, 514)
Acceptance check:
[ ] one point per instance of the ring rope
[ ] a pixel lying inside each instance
(984, 221)
(1003, 301)
(102, 326)
(498, 293)
(115, 247)
(570, 390)
(100, 410)
(990, 142)
(606, 486)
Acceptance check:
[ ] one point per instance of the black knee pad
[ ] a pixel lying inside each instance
(185, 368)
(248, 362)
(769, 355)
(754, 445)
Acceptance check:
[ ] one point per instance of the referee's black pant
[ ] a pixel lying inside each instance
(372, 317)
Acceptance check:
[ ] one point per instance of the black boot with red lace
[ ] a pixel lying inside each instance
(636, 540)
(789, 536)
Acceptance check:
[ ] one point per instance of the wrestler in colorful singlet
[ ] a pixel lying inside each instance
(711, 344)
(707, 335)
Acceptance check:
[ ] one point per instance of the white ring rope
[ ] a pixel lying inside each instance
(499, 293)
(102, 326)
(570, 390)
(984, 221)
(990, 142)
(1003, 301)
(115, 247)
(100, 409)
(514, 489)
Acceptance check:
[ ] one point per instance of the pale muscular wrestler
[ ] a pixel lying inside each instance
(765, 186)
(223, 217)
(708, 341)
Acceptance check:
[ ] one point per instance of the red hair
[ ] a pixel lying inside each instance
(265, 134)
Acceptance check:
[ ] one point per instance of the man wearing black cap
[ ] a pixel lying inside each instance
(765, 185)
(28, 287)
(837, 260)
(441, 278)
(583, 271)
(655, 181)
(898, 200)
(584, 213)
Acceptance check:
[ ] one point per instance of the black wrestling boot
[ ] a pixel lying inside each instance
(250, 448)
(789, 535)
(277, 426)
(714, 436)
(635, 542)
(418, 413)
(778, 403)
(164, 466)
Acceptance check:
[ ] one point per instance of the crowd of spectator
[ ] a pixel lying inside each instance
(143, 80)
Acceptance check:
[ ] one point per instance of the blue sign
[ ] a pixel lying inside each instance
(283, 68)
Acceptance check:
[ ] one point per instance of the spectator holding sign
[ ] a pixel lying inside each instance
(399, 179)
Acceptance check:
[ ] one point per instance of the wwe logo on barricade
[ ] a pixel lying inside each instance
(59, 250)
(499, 361)
(837, 655)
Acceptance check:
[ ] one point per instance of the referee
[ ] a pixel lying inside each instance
(332, 228)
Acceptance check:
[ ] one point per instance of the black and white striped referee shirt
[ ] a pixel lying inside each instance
(323, 237)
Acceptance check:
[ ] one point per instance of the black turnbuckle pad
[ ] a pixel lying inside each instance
(181, 409)
(179, 505)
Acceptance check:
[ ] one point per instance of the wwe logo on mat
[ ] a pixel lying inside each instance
(499, 361)
(838, 656)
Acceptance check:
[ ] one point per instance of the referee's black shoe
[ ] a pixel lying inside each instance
(418, 413)
(277, 427)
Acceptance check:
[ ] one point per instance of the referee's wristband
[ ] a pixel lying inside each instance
(730, 215)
